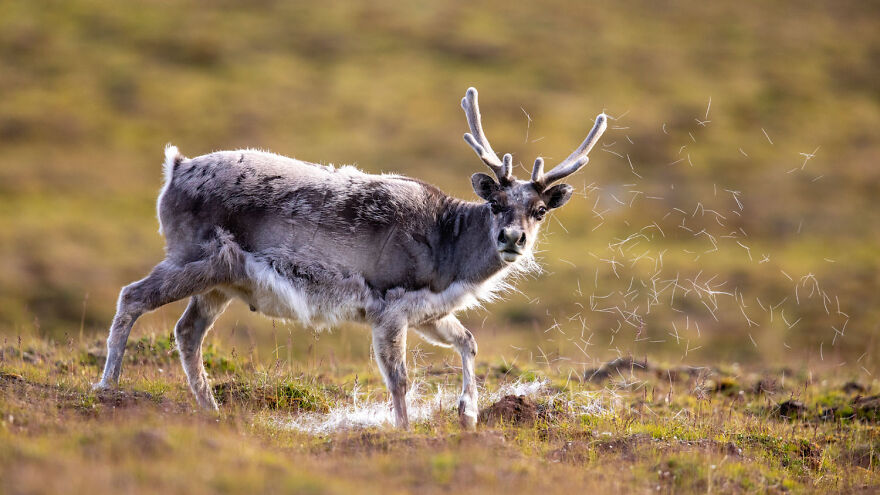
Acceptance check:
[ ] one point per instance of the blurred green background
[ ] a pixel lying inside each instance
(717, 106)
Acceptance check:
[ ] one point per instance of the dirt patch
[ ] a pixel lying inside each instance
(580, 451)
(572, 453)
(380, 443)
(867, 408)
(615, 367)
(511, 409)
(10, 377)
(123, 398)
(853, 388)
(85, 401)
(395, 441)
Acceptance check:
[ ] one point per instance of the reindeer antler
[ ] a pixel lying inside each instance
(477, 138)
(575, 161)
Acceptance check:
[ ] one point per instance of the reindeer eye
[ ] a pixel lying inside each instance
(540, 212)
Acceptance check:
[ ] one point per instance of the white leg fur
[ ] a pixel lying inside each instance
(450, 331)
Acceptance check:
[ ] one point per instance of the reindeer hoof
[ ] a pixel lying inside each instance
(468, 422)
(209, 407)
(467, 414)
(101, 386)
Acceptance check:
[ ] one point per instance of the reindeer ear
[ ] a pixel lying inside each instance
(484, 185)
(557, 195)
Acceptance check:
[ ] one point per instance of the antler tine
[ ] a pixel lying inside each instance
(538, 171)
(507, 165)
(579, 158)
(477, 138)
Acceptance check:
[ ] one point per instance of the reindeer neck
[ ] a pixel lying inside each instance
(469, 254)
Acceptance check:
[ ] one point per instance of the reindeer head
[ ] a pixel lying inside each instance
(518, 206)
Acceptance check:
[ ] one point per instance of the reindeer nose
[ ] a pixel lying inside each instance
(513, 239)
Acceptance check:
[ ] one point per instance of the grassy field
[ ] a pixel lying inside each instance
(629, 427)
(724, 236)
(742, 150)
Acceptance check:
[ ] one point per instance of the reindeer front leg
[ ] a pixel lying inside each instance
(389, 346)
(449, 331)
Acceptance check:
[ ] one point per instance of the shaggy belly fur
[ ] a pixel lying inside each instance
(321, 304)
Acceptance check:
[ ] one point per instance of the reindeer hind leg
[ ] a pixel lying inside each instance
(168, 282)
(190, 331)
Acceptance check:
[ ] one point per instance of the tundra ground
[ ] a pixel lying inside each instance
(629, 426)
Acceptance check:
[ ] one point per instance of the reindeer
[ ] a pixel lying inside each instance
(324, 244)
